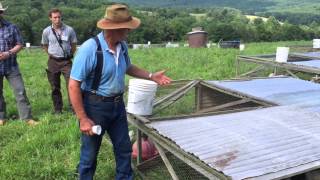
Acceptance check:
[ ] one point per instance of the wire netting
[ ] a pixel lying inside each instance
(155, 169)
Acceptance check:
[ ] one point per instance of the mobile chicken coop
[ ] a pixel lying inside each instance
(258, 128)
(298, 65)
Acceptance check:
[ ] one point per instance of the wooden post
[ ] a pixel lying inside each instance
(139, 147)
(237, 67)
(198, 100)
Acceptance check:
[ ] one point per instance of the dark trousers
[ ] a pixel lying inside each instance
(113, 120)
(55, 69)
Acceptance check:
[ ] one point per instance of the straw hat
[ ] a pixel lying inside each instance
(117, 17)
(2, 8)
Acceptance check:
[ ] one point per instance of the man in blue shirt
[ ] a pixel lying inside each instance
(10, 44)
(104, 104)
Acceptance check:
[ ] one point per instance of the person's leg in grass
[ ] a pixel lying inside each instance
(119, 135)
(2, 103)
(24, 108)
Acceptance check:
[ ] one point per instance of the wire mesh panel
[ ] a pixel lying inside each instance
(209, 97)
(155, 169)
(302, 65)
(175, 104)
(302, 48)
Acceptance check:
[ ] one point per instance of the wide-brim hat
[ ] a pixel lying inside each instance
(3, 8)
(117, 16)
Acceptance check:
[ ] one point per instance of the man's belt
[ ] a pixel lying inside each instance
(95, 97)
(60, 58)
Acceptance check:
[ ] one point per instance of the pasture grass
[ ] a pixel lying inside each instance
(51, 149)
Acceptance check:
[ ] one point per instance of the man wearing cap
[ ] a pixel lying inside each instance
(103, 104)
(59, 41)
(10, 44)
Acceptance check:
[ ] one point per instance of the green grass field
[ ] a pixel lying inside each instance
(51, 149)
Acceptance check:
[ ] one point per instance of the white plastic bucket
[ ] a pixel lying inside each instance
(241, 47)
(316, 43)
(282, 54)
(141, 96)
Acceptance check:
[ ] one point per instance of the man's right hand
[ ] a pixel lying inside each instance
(86, 126)
(4, 55)
(77, 104)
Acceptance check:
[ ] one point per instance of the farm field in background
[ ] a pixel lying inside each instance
(51, 149)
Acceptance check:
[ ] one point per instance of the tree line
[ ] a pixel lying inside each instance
(159, 25)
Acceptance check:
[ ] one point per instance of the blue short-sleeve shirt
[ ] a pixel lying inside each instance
(112, 80)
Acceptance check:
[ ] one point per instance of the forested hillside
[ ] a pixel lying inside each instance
(245, 5)
(160, 24)
(32, 16)
(295, 11)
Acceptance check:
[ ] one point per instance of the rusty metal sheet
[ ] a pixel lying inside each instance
(266, 143)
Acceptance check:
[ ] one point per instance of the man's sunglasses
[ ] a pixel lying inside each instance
(1, 12)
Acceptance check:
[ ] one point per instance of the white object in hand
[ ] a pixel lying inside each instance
(96, 129)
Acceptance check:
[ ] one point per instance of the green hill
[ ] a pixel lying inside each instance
(244, 5)
(162, 24)
(293, 11)
(247, 5)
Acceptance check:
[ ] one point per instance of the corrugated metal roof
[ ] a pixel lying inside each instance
(274, 142)
(281, 90)
(311, 63)
(265, 143)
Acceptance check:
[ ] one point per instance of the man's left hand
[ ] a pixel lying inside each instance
(160, 78)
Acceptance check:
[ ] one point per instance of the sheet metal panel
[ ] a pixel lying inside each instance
(281, 90)
(311, 63)
(309, 54)
(271, 142)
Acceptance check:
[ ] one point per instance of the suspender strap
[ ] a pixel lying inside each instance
(98, 69)
(125, 50)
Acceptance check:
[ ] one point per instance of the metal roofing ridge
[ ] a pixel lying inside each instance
(237, 93)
